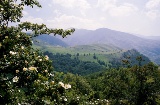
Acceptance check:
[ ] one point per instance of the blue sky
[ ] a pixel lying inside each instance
(132, 16)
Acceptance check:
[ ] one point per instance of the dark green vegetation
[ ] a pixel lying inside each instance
(89, 63)
(138, 85)
(102, 74)
(99, 74)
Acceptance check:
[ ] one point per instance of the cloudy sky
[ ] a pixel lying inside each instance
(133, 16)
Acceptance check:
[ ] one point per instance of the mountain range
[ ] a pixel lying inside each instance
(147, 46)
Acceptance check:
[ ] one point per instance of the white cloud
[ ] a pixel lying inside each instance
(103, 19)
(134, 16)
(153, 14)
(65, 21)
(49, 5)
(151, 4)
(112, 7)
(25, 13)
(38, 10)
(81, 4)
(124, 10)
(57, 12)
(32, 19)
(105, 5)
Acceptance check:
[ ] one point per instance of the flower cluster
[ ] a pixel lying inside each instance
(15, 79)
(12, 53)
(65, 86)
(30, 69)
(46, 57)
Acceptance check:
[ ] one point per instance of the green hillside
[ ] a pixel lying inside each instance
(81, 49)
(85, 52)
(97, 53)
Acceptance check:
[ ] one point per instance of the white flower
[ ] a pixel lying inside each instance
(4, 56)
(26, 62)
(51, 74)
(18, 36)
(52, 82)
(65, 99)
(6, 37)
(40, 60)
(67, 86)
(24, 69)
(45, 71)
(2, 9)
(33, 68)
(22, 47)
(15, 79)
(61, 83)
(17, 71)
(12, 53)
(46, 57)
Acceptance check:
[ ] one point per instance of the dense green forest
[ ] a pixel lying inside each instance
(31, 77)
(73, 63)
(137, 85)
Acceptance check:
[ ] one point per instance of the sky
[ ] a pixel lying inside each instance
(141, 17)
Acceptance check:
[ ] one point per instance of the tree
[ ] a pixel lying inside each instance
(147, 79)
(94, 56)
(25, 73)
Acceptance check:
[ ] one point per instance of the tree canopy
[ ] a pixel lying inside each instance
(25, 74)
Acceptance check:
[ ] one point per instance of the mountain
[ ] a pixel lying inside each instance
(122, 40)
(49, 40)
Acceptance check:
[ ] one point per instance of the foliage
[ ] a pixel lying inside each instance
(25, 73)
(138, 85)
(27, 76)
(128, 59)
(65, 63)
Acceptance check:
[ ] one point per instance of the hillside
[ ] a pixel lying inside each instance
(48, 40)
(101, 37)
(90, 58)
(122, 40)
(84, 64)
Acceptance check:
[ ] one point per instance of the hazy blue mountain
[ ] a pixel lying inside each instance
(49, 40)
(122, 40)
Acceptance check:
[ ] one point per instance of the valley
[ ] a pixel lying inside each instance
(62, 52)
(91, 51)
(100, 41)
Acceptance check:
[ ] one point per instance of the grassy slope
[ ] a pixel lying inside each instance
(86, 52)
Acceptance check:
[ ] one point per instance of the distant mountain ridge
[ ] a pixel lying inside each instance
(122, 40)
(50, 40)
(104, 36)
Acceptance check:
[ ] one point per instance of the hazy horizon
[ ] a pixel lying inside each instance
(140, 17)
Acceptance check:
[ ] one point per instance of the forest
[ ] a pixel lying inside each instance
(29, 76)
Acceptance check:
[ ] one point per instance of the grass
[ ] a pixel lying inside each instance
(86, 52)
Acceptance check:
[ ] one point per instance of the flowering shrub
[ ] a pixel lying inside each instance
(25, 74)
